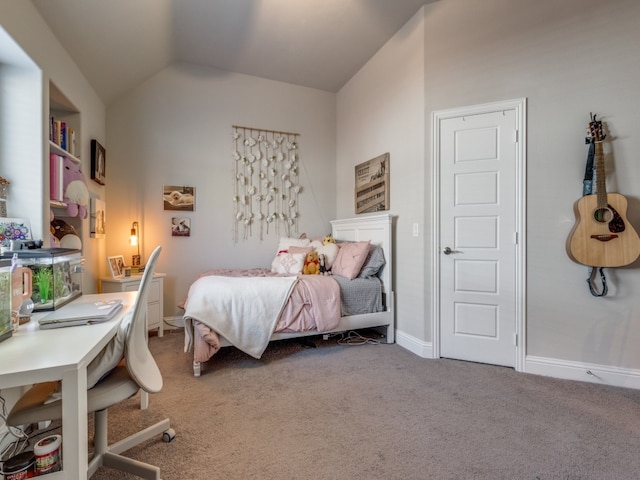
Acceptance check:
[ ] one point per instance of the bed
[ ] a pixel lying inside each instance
(283, 306)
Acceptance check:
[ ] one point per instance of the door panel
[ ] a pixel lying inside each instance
(478, 224)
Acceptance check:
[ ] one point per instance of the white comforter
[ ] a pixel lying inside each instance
(260, 299)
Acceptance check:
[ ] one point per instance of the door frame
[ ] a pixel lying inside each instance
(520, 107)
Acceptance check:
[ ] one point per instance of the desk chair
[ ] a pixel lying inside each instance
(137, 370)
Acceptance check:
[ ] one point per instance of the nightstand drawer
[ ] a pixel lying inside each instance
(154, 291)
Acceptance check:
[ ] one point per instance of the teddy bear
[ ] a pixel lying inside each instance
(311, 264)
(76, 192)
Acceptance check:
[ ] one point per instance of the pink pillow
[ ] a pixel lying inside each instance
(305, 250)
(350, 259)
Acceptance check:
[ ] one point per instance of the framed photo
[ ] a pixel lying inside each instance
(179, 197)
(98, 162)
(98, 218)
(116, 266)
(372, 185)
(180, 227)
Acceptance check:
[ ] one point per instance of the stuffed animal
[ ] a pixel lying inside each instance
(311, 264)
(76, 192)
(328, 239)
(324, 269)
(66, 236)
(53, 240)
(328, 249)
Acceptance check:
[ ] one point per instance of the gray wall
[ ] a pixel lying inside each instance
(568, 58)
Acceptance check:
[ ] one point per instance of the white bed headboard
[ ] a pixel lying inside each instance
(376, 227)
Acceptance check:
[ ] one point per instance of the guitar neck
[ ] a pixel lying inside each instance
(601, 184)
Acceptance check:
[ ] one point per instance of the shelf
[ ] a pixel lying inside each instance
(58, 150)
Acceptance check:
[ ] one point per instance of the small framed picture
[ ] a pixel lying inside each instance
(116, 266)
(180, 227)
(179, 197)
(98, 162)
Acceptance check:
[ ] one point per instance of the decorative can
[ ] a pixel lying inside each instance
(20, 466)
(47, 452)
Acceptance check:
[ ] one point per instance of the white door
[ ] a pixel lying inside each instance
(478, 237)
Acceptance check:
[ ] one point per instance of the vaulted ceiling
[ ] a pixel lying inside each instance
(315, 43)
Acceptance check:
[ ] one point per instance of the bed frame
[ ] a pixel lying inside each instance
(379, 229)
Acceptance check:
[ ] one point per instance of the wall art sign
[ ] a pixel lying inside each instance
(372, 185)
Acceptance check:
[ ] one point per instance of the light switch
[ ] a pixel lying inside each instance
(415, 230)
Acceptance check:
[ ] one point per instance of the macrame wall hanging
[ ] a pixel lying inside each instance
(266, 182)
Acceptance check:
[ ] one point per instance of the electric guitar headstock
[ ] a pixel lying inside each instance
(596, 133)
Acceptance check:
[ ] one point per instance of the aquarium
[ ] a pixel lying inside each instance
(56, 275)
(6, 330)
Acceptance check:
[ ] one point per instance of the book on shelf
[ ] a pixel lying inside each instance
(63, 136)
(56, 172)
(71, 140)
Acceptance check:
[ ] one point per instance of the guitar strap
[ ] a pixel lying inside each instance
(587, 183)
(603, 280)
(587, 189)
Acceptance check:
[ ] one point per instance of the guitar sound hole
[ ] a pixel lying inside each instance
(603, 215)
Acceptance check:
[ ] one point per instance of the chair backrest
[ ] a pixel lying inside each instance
(140, 363)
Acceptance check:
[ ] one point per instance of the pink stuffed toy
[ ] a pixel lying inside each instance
(76, 193)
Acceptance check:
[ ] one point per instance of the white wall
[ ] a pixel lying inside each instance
(25, 26)
(175, 129)
(568, 58)
(381, 109)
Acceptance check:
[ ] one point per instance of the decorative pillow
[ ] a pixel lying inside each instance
(285, 247)
(373, 263)
(330, 251)
(305, 250)
(290, 263)
(286, 242)
(350, 258)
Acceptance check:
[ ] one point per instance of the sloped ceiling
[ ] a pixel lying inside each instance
(315, 43)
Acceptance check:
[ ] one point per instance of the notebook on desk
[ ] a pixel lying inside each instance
(81, 313)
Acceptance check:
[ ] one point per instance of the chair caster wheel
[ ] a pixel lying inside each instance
(168, 435)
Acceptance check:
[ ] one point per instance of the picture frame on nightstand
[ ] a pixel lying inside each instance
(116, 266)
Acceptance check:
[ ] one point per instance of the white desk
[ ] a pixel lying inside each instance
(33, 355)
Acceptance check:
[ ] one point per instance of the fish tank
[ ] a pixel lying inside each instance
(6, 328)
(56, 275)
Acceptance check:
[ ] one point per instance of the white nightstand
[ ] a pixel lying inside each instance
(155, 308)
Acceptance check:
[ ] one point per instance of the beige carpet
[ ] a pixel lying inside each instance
(377, 412)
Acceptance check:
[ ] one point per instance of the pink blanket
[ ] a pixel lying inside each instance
(313, 304)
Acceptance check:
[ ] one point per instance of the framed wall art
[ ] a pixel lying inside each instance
(98, 218)
(372, 185)
(180, 227)
(98, 162)
(179, 197)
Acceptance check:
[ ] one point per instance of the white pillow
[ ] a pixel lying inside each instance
(286, 242)
(330, 250)
(291, 263)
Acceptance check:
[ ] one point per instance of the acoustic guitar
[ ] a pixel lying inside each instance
(602, 235)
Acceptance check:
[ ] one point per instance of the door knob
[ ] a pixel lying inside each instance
(448, 251)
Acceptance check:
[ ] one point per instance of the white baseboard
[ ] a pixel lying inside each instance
(414, 345)
(584, 372)
(549, 367)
